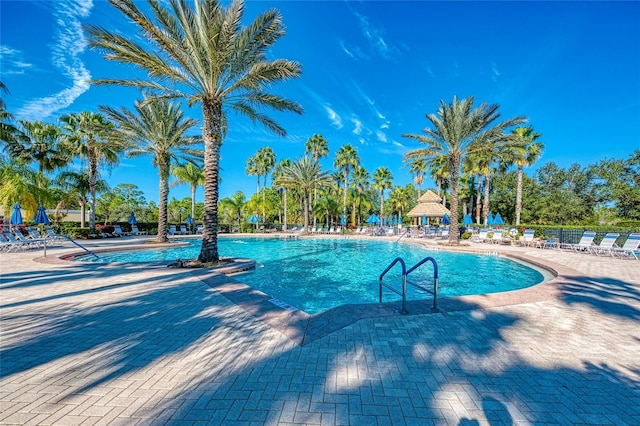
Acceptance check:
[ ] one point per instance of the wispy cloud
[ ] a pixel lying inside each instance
(65, 55)
(12, 61)
(357, 130)
(334, 117)
(374, 34)
(382, 137)
(495, 73)
(353, 52)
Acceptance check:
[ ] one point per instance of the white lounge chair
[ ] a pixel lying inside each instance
(605, 246)
(527, 237)
(585, 243)
(481, 236)
(630, 248)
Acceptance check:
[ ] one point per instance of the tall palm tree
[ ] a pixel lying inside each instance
(346, 159)
(399, 199)
(360, 182)
(157, 127)
(279, 171)
(382, 179)
(317, 147)
(191, 174)
(526, 151)
(418, 167)
(460, 130)
(91, 136)
(204, 54)
(265, 160)
(17, 185)
(304, 174)
(252, 168)
(9, 133)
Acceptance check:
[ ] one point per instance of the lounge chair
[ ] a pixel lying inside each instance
(605, 246)
(8, 245)
(117, 231)
(630, 248)
(136, 231)
(585, 243)
(444, 234)
(172, 230)
(21, 241)
(200, 229)
(183, 230)
(527, 237)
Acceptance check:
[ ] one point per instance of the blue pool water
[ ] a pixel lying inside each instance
(317, 274)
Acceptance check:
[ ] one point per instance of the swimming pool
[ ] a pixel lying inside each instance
(318, 274)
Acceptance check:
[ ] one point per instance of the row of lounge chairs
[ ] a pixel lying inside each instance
(607, 246)
(173, 230)
(14, 239)
(326, 230)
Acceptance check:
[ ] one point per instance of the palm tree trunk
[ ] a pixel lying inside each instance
(164, 197)
(485, 206)
(193, 204)
(284, 225)
(454, 172)
(93, 178)
(212, 135)
(381, 205)
(519, 196)
(305, 201)
(478, 203)
(344, 199)
(83, 210)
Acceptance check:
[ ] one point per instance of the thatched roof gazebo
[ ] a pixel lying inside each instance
(430, 205)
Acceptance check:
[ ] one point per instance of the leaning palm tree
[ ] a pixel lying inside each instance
(304, 174)
(91, 136)
(382, 179)
(346, 159)
(204, 54)
(193, 175)
(158, 128)
(460, 130)
(526, 151)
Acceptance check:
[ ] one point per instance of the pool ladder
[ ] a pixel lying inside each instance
(405, 273)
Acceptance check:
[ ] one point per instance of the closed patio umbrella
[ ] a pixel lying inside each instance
(497, 220)
(467, 219)
(424, 219)
(490, 219)
(343, 221)
(132, 219)
(373, 219)
(16, 215)
(446, 220)
(41, 216)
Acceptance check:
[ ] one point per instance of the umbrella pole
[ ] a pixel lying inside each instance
(45, 246)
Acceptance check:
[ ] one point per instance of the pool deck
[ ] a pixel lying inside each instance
(88, 343)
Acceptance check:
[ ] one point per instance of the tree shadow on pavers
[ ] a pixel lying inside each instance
(440, 369)
(608, 295)
(68, 272)
(97, 339)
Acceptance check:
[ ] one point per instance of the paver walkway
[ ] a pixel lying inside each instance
(128, 344)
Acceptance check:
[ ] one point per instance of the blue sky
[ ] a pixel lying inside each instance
(371, 71)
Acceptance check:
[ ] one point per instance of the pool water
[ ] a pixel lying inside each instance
(318, 274)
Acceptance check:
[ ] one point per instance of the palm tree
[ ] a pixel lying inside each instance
(346, 158)
(40, 143)
(360, 182)
(265, 160)
(191, 174)
(304, 174)
(9, 133)
(382, 180)
(526, 151)
(77, 183)
(91, 136)
(235, 203)
(205, 51)
(17, 186)
(317, 147)
(460, 130)
(279, 171)
(252, 169)
(399, 199)
(157, 127)
(419, 168)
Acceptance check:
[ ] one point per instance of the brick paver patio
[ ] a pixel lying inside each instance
(130, 344)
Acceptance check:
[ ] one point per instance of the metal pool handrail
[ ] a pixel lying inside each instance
(405, 273)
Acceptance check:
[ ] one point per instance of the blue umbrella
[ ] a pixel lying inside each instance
(189, 220)
(467, 219)
(424, 219)
(372, 219)
(445, 219)
(41, 216)
(343, 221)
(16, 215)
(132, 219)
(253, 219)
(490, 219)
(498, 220)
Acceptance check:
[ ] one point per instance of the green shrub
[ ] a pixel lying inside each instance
(466, 235)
